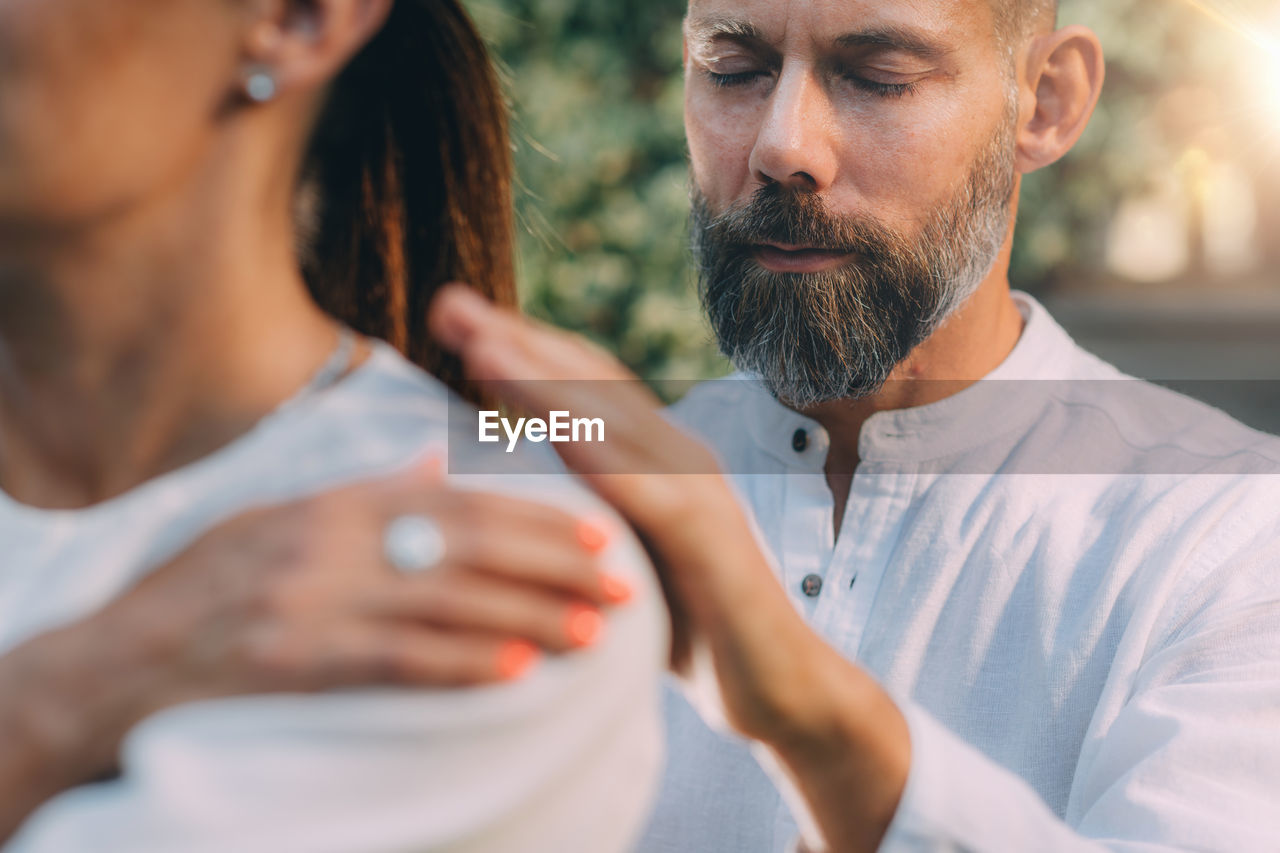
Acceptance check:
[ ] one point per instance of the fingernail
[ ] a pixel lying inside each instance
(454, 314)
(592, 536)
(431, 467)
(515, 658)
(583, 625)
(616, 590)
(466, 296)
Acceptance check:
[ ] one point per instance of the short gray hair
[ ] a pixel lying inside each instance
(1015, 18)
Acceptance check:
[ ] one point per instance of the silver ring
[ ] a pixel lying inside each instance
(413, 543)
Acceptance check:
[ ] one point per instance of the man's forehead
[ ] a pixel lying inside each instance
(921, 26)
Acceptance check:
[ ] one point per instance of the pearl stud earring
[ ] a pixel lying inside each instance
(260, 85)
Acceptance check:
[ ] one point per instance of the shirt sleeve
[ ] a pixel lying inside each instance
(1189, 760)
(565, 759)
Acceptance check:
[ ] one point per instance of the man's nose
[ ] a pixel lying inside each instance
(796, 142)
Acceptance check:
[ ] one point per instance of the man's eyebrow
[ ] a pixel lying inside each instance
(703, 31)
(895, 38)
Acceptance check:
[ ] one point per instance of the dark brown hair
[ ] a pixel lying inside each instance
(408, 182)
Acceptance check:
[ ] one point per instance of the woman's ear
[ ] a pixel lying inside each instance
(303, 44)
(1065, 70)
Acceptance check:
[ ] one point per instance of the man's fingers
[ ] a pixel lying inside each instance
(480, 333)
(457, 313)
(542, 369)
(504, 349)
(501, 345)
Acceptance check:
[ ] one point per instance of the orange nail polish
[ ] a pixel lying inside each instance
(615, 589)
(583, 625)
(592, 536)
(515, 658)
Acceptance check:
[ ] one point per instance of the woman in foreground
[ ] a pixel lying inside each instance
(197, 199)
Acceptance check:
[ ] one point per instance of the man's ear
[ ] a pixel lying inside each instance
(305, 43)
(1065, 70)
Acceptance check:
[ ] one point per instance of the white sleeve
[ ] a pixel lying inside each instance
(565, 759)
(1191, 760)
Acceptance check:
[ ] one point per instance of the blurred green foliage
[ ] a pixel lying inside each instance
(600, 151)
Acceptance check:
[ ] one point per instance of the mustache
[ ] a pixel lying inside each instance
(797, 217)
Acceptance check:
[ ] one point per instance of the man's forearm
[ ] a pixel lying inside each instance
(849, 755)
(832, 727)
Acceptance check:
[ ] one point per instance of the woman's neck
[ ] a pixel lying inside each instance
(135, 346)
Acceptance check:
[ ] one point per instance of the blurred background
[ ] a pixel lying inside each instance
(1156, 241)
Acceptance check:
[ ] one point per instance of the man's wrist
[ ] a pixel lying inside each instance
(820, 704)
(849, 751)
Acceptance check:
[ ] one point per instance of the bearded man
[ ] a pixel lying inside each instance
(1018, 601)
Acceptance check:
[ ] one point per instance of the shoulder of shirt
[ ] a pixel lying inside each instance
(1149, 417)
(1146, 417)
(388, 382)
(391, 396)
(1225, 470)
(386, 415)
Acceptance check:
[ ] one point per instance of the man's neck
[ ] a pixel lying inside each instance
(137, 345)
(972, 343)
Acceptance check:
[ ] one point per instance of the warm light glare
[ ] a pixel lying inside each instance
(1272, 86)
(1265, 37)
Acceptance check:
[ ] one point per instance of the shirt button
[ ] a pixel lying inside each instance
(799, 440)
(811, 585)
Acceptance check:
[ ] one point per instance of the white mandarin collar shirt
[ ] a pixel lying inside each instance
(1069, 580)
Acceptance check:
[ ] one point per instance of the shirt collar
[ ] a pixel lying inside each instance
(999, 403)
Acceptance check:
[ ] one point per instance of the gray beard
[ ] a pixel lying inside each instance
(838, 334)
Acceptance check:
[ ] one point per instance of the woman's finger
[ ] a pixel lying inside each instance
(467, 601)
(421, 656)
(557, 560)
(516, 539)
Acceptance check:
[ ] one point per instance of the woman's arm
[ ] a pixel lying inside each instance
(562, 759)
(47, 717)
(286, 599)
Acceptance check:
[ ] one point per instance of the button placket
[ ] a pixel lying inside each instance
(805, 514)
(877, 504)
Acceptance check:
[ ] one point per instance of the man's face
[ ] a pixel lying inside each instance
(853, 167)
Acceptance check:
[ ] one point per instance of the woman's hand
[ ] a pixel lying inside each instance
(299, 598)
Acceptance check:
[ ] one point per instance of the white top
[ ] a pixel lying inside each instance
(564, 759)
(1086, 660)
